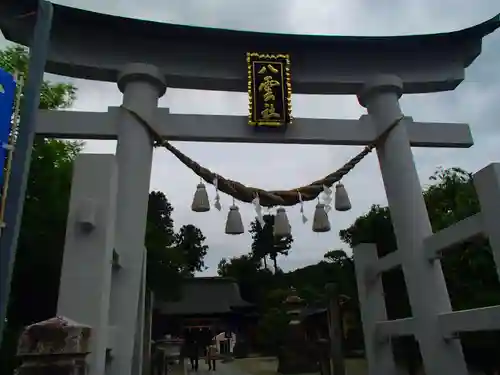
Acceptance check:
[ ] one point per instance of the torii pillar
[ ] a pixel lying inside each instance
(425, 281)
(142, 85)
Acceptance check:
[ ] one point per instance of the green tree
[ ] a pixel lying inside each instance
(338, 257)
(171, 256)
(275, 298)
(469, 269)
(260, 248)
(237, 266)
(53, 95)
(189, 242)
(310, 281)
(35, 280)
(271, 331)
(265, 244)
(164, 263)
(252, 279)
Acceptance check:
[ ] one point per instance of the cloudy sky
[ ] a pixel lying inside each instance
(475, 102)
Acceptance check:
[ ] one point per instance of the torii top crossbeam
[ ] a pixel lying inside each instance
(213, 59)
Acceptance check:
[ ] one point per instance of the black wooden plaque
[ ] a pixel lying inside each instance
(269, 89)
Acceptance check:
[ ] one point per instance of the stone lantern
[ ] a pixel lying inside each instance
(57, 346)
(295, 356)
(294, 306)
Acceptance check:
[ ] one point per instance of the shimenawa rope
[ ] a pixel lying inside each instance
(247, 193)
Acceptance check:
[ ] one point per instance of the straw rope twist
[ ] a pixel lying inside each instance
(267, 198)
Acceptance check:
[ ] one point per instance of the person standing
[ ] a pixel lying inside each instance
(194, 354)
(157, 361)
(212, 355)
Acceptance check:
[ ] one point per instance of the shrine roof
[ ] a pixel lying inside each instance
(205, 296)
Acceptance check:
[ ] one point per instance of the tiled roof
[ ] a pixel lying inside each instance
(205, 295)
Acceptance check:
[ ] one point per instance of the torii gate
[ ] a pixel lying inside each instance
(144, 57)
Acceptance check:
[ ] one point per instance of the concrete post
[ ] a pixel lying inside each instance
(55, 346)
(487, 183)
(372, 304)
(138, 359)
(142, 86)
(85, 287)
(148, 322)
(425, 281)
(335, 330)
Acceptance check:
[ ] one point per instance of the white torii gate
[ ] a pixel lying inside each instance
(99, 182)
(107, 218)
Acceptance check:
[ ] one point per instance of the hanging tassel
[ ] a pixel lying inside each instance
(282, 226)
(201, 203)
(301, 202)
(234, 224)
(342, 202)
(217, 204)
(327, 198)
(258, 210)
(321, 224)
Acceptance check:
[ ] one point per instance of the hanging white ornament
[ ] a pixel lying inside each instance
(327, 198)
(282, 227)
(217, 204)
(234, 223)
(342, 201)
(301, 202)
(327, 191)
(258, 210)
(201, 203)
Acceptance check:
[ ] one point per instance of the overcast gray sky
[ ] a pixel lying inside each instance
(475, 102)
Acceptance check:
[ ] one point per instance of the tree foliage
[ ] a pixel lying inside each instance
(265, 244)
(53, 95)
(252, 279)
(271, 330)
(163, 264)
(189, 242)
(171, 256)
(269, 291)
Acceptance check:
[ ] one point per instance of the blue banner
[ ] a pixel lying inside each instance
(7, 96)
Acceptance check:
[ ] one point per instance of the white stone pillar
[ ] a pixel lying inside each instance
(425, 281)
(487, 184)
(138, 358)
(84, 291)
(142, 85)
(148, 322)
(372, 305)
